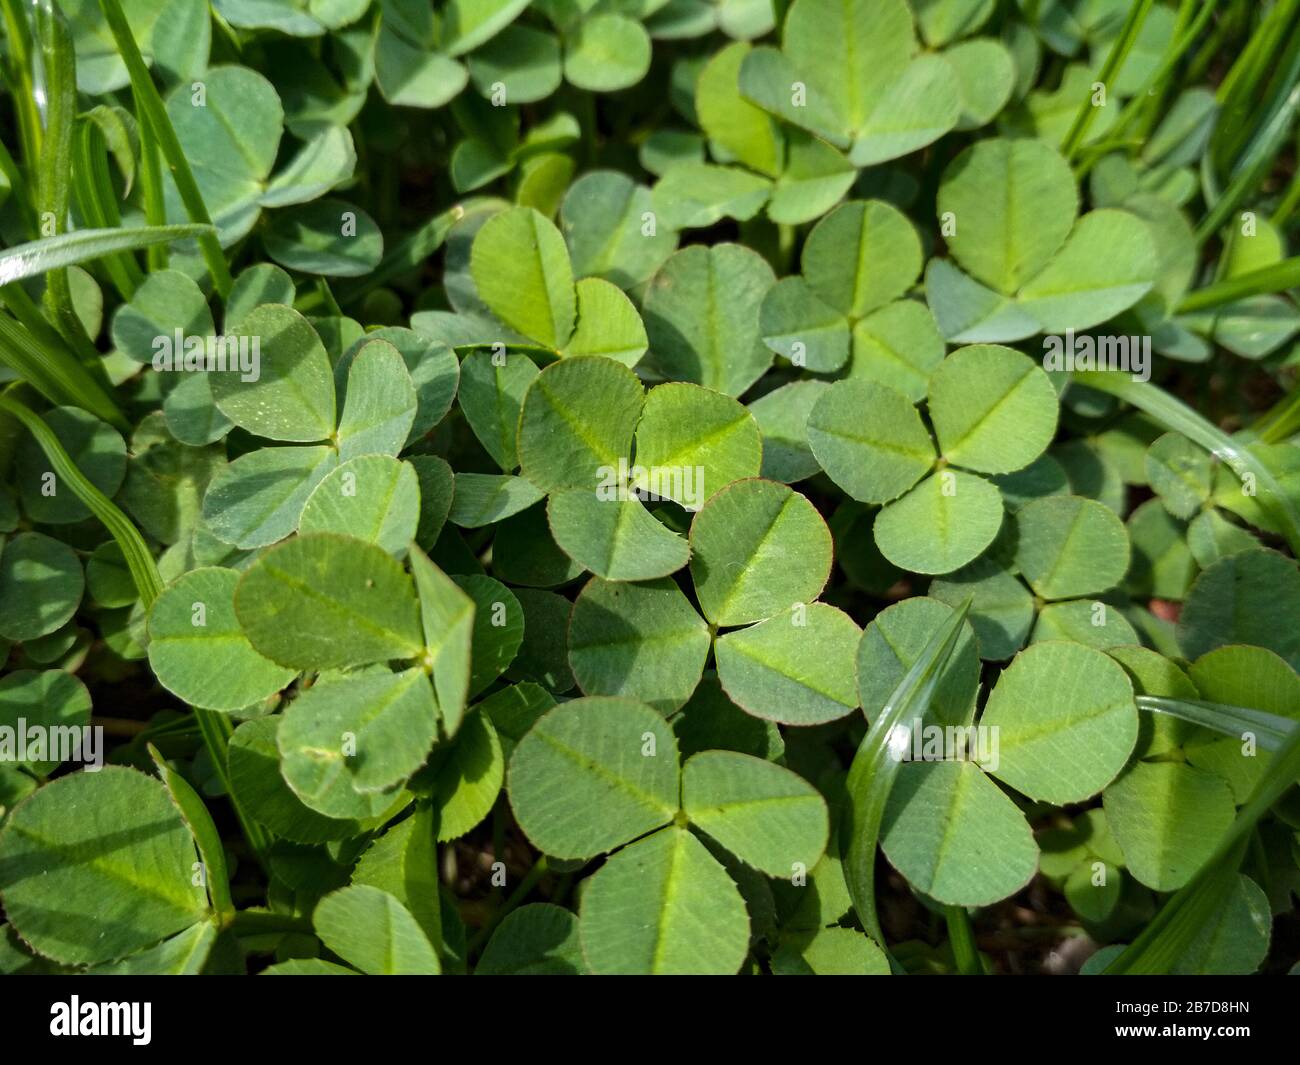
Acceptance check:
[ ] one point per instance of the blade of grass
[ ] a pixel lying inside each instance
(153, 113)
(1270, 730)
(1158, 82)
(876, 764)
(95, 200)
(1277, 277)
(1157, 949)
(42, 360)
(216, 877)
(54, 178)
(1114, 60)
(1256, 164)
(85, 245)
(18, 42)
(215, 728)
(961, 937)
(1175, 415)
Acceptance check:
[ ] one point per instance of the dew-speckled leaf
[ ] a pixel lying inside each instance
(292, 396)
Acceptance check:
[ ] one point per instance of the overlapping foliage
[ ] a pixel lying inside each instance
(636, 430)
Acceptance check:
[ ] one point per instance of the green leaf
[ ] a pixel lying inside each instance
(522, 271)
(374, 498)
(41, 584)
(604, 216)
(614, 538)
(797, 670)
(605, 53)
(577, 421)
(993, 409)
(468, 778)
(356, 736)
(292, 396)
(782, 417)
(955, 836)
(767, 816)
(757, 548)
(1002, 608)
(167, 300)
(369, 928)
(199, 822)
(870, 440)
(1106, 266)
(1168, 818)
(1250, 597)
(875, 768)
(98, 452)
(404, 862)
(663, 906)
(1066, 722)
(941, 524)
(618, 759)
(492, 389)
(447, 620)
(324, 601)
(328, 237)
(894, 642)
(692, 442)
(535, 940)
(1068, 547)
(51, 700)
(380, 403)
(692, 195)
(112, 880)
(746, 132)
(486, 498)
(198, 651)
(1180, 473)
(259, 498)
(613, 623)
(862, 256)
(256, 778)
(702, 317)
(1012, 205)
(798, 325)
(608, 324)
